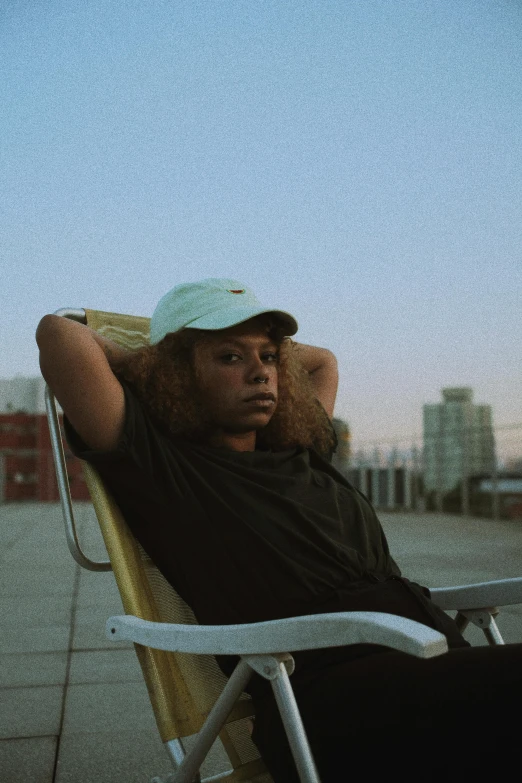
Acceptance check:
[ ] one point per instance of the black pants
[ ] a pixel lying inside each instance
(369, 711)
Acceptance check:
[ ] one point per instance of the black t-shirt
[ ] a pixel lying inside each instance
(242, 536)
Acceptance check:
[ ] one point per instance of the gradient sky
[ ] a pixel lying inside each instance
(357, 163)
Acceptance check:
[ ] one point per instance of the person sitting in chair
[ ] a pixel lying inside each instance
(216, 442)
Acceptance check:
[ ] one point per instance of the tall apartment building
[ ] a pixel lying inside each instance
(458, 440)
(26, 460)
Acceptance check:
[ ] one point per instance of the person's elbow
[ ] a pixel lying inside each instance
(45, 331)
(42, 328)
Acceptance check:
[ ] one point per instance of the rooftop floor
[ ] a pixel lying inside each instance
(73, 706)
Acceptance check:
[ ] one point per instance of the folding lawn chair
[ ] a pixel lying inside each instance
(188, 691)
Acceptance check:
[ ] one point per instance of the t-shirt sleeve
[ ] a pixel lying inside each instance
(145, 454)
(136, 427)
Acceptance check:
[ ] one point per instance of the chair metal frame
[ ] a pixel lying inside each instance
(264, 647)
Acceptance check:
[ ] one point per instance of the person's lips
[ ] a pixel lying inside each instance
(261, 396)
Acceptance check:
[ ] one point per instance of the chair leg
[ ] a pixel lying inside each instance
(493, 634)
(461, 621)
(189, 768)
(177, 753)
(294, 728)
(484, 619)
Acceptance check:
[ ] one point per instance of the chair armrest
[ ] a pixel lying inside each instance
(334, 629)
(501, 592)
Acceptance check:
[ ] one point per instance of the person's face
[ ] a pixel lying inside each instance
(228, 368)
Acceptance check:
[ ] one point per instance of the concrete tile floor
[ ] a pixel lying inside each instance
(28, 759)
(73, 705)
(30, 669)
(31, 711)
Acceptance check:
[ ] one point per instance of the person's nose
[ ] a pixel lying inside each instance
(259, 372)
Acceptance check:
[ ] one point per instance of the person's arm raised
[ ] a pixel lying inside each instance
(321, 366)
(77, 364)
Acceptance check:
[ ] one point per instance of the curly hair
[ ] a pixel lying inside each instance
(165, 380)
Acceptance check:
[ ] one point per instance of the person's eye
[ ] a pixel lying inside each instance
(229, 358)
(273, 357)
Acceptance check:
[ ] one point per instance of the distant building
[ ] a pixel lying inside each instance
(341, 458)
(22, 395)
(26, 460)
(514, 464)
(506, 486)
(458, 440)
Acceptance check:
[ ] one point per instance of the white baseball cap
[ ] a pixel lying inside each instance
(211, 304)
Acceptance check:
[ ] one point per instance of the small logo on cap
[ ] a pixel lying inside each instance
(238, 291)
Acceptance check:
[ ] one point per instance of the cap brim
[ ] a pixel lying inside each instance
(227, 318)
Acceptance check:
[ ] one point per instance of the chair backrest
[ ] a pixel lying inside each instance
(182, 688)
